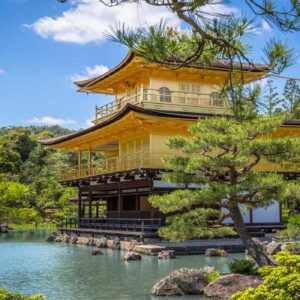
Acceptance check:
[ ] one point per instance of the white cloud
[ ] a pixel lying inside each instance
(88, 123)
(88, 20)
(51, 121)
(89, 72)
(2, 72)
(266, 26)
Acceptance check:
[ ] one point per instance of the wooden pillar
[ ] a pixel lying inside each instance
(119, 201)
(79, 209)
(83, 210)
(79, 163)
(97, 209)
(90, 204)
(150, 193)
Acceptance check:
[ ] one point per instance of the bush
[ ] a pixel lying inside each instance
(281, 282)
(293, 248)
(242, 267)
(291, 233)
(6, 295)
(294, 220)
(212, 276)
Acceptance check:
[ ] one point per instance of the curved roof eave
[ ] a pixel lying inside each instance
(84, 85)
(128, 108)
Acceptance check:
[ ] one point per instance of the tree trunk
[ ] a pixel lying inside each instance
(254, 247)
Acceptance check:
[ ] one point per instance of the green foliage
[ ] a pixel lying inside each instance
(29, 187)
(292, 99)
(242, 267)
(289, 234)
(6, 295)
(280, 282)
(219, 157)
(212, 276)
(294, 220)
(293, 248)
(271, 99)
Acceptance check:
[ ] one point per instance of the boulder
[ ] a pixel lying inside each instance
(97, 252)
(58, 239)
(101, 243)
(183, 282)
(4, 228)
(125, 245)
(226, 285)
(167, 254)
(131, 255)
(73, 239)
(66, 239)
(132, 245)
(51, 237)
(90, 242)
(116, 243)
(273, 248)
(215, 252)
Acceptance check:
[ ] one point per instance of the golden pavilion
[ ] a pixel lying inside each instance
(119, 157)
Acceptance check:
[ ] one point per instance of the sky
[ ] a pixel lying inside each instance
(46, 45)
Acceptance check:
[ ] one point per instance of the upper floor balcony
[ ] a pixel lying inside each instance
(137, 160)
(166, 100)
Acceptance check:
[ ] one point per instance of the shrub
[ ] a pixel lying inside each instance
(242, 267)
(281, 282)
(212, 276)
(291, 233)
(6, 295)
(294, 220)
(293, 248)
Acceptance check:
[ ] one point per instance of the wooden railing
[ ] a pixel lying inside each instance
(121, 224)
(114, 164)
(174, 98)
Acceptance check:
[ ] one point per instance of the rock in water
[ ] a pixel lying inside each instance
(215, 252)
(4, 228)
(52, 236)
(97, 252)
(183, 282)
(227, 285)
(116, 243)
(167, 254)
(102, 243)
(131, 255)
(74, 240)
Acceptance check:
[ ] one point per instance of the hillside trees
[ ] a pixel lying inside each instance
(32, 173)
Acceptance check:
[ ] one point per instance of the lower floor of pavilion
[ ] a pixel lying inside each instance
(119, 205)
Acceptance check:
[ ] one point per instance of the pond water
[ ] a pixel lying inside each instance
(70, 272)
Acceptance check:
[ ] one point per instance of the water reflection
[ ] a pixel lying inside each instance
(70, 272)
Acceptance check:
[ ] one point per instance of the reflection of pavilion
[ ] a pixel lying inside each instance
(119, 158)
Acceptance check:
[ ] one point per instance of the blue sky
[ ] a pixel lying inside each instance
(45, 44)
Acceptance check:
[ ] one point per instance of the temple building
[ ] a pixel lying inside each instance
(119, 157)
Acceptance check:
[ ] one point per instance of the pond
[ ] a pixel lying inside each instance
(70, 272)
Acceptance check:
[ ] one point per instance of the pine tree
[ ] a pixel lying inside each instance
(220, 157)
(271, 99)
(291, 99)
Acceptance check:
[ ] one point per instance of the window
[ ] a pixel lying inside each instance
(190, 88)
(165, 95)
(216, 99)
